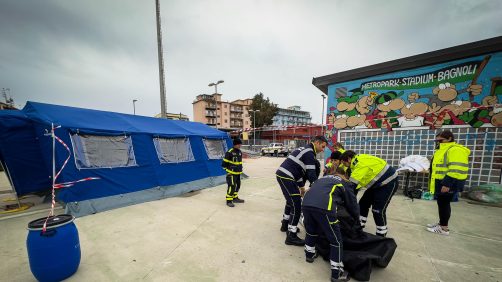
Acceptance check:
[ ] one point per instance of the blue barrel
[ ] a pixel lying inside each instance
(54, 254)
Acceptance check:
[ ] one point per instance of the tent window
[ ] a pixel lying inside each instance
(173, 150)
(215, 148)
(92, 151)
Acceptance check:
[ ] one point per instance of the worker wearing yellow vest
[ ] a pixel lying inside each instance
(334, 162)
(232, 164)
(449, 170)
(338, 147)
(379, 178)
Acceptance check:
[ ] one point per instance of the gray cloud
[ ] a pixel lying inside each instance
(102, 54)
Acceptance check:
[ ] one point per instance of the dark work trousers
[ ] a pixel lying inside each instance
(317, 222)
(234, 184)
(443, 201)
(292, 195)
(378, 198)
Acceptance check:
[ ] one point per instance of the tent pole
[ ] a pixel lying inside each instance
(53, 155)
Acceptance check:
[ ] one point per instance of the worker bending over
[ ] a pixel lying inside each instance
(380, 181)
(334, 162)
(298, 168)
(320, 215)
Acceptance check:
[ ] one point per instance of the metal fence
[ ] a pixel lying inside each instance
(485, 161)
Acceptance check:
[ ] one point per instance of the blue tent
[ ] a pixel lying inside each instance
(136, 158)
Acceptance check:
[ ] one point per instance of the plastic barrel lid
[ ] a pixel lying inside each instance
(52, 222)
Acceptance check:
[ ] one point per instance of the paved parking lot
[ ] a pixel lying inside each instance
(196, 237)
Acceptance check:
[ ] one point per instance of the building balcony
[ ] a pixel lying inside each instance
(211, 107)
(236, 110)
(236, 117)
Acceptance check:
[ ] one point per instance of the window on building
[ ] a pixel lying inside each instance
(225, 106)
(247, 122)
(215, 148)
(93, 151)
(226, 121)
(173, 150)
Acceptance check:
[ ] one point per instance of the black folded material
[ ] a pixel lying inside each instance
(361, 250)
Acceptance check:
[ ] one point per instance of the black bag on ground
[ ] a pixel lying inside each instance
(361, 250)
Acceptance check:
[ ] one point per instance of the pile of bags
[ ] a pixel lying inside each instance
(487, 193)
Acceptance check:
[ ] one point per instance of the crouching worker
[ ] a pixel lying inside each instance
(320, 215)
(379, 178)
(333, 164)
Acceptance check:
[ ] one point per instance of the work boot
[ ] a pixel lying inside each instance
(230, 204)
(311, 257)
(292, 239)
(343, 277)
(238, 201)
(284, 225)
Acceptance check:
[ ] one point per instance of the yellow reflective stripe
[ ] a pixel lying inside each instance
(231, 150)
(458, 168)
(335, 222)
(287, 178)
(232, 172)
(234, 163)
(232, 180)
(330, 203)
(294, 194)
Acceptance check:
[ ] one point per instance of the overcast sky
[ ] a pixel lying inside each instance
(103, 54)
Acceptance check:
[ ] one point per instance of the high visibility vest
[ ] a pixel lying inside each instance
(451, 159)
(366, 170)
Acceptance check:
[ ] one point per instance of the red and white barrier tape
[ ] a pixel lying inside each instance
(64, 184)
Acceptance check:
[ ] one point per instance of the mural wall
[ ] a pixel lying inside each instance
(461, 92)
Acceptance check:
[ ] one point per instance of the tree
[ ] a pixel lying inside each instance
(267, 110)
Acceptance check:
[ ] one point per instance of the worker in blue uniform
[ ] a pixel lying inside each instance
(232, 164)
(319, 209)
(293, 173)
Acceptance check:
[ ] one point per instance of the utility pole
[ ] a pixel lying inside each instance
(134, 106)
(163, 105)
(322, 118)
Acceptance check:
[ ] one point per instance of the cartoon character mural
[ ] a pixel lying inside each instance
(460, 92)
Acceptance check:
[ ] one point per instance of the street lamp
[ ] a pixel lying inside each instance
(215, 85)
(216, 92)
(322, 118)
(134, 106)
(254, 126)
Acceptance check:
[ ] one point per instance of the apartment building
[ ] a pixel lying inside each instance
(224, 115)
(291, 116)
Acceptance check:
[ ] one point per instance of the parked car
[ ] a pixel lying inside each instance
(275, 149)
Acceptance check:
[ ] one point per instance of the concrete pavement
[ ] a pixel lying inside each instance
(196, 237)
